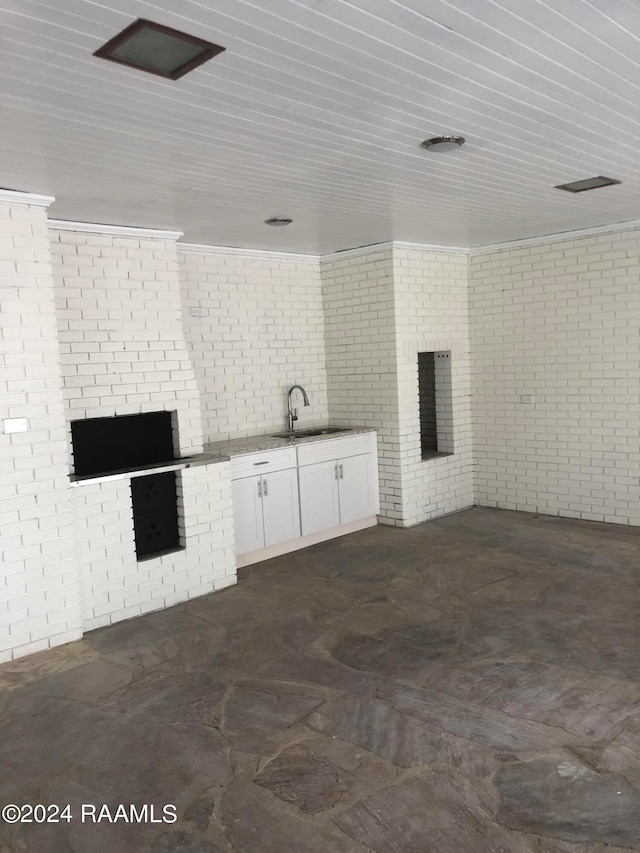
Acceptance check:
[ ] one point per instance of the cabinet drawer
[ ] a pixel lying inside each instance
(336, 448)
(263, 462)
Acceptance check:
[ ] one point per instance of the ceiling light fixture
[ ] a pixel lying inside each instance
(158, 49)
(278, 221)
(587, 184)
(440, 144)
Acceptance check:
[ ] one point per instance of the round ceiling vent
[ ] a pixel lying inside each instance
(443, 143)
(278, 221)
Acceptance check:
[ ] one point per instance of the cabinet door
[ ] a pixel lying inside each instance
(280, 506)
(357, 488)
(319, 506)
(247, 514)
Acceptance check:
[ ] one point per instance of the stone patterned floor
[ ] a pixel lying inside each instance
(472, 684)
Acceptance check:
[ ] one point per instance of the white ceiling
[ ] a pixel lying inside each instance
(316, 110)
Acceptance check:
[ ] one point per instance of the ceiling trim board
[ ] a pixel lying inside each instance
(34, 199)
(12, 197)
(560, 237)
(358, 251)
(392, 244)
(430, 247)
(113, 230)
(231, 251)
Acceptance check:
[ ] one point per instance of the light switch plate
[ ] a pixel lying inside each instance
(15, 425)
(527, 399)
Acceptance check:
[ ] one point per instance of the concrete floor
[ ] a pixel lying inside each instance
(472, 684)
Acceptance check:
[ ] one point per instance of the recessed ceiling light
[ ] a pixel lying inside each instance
(278, 221)
(588, 184)
(158, 49)
(442, 143)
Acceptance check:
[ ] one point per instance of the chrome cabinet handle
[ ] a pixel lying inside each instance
(259, 488)
(266, 462)
(265, 490)
(335, 471)
(341, 472)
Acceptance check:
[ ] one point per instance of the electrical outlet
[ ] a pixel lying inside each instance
(526, 399)
(198, 311)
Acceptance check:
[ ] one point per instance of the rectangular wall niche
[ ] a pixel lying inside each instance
(101, 445)
(435, 403)
(155, 514)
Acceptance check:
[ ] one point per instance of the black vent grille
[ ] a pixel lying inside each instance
(588, 184)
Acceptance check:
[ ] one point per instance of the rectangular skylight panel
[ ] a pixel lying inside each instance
(158, 49)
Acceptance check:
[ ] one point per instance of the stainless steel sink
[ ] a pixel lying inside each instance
(309, 433)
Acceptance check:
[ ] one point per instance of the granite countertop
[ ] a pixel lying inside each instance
(255, 443)
(157, 468)
(222, 451)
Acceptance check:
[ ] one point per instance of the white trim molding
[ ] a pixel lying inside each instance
(231, 251)
(374, 248)
(358, 251)
(14, 197)
(113, 230)
(562, 236)
(430, 247)
(392, 244)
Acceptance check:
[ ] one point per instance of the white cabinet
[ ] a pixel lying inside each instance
(356, 488)
(265, 506)
(313, 489)
(280, 507)
(319, 501)
(339, 490)
(248, 525)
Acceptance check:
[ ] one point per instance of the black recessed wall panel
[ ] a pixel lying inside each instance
(155, 513)
(427, 402)
(101, 445)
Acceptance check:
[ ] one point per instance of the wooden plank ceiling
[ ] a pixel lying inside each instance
(316, 111)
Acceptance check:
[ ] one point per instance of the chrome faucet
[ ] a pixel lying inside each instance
(293, 413)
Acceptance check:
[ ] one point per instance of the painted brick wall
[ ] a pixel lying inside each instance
(262, 332)
(381, 309)
(362, 377)
(431, 314)
(120, 330)
(123, 351)
(560, 322)
(115, 586)
(39, 595)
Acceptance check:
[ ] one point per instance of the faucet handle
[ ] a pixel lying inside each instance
(294, 415)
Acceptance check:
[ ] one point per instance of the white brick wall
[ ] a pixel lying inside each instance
(362, 376)
(114, 585)
(263, 331)
(39, 597)
(432, 315)
(123, 351)
(560, 322)
(381, 309)
(120, 329)
(446, 423)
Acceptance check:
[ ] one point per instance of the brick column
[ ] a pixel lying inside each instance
(39, 584)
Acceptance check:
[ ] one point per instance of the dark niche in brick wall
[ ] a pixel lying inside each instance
(427, 398)
(155, 514)
(435, 401)
(121, 443)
